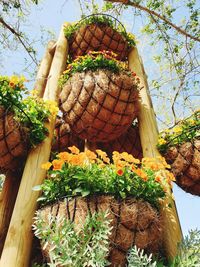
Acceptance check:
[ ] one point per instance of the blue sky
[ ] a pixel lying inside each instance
(51, 15)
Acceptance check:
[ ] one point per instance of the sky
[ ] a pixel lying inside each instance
(51, 14)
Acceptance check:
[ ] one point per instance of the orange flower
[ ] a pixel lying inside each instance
(57, 164)
(141, 174)
(120, 172)
(91, 155)
(158, 178)
(65, 156)
(74, 150)
(101, 153)
(46, 166)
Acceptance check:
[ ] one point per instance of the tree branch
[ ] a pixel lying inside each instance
(19, 37)
(151, 12)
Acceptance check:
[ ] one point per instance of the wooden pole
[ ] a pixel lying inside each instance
(7, 202)
(45, 65)
(17, 247)
(12, 180)
(149, 137)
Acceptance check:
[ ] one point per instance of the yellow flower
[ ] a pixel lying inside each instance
(177, 129)
(52, 106)
(162, 141)
(65, 156)
(46, 166)
(91, 155)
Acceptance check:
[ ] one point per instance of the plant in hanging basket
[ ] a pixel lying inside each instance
(98, 32)
(128, 142)
(80, 183)
(63, 137)
(21, 121)
(99, 96)
(181, 147)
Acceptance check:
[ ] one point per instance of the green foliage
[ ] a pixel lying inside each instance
(96, 60)
(86, 246)
(137, 258)
(100, 20)
(30, 112)
(185, 130)
(81, 176)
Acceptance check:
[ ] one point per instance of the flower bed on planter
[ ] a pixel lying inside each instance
(181, 147)
(96, 33)
(21, 121)
(99, 96)
(82, 183)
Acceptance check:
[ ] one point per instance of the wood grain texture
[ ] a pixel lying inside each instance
(43, 71)
(172, 233)
(18, 242)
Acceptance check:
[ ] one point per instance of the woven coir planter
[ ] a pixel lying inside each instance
(181, 147)
(13, 141)
(128, 142)
(134, 222)
(185, 163)
(101, 105)
(97, 33)
(64, 137)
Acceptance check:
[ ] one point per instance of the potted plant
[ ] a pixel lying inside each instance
(21, 121)
(99, 96)
(181, 147)
(98, 32)
(82, 183)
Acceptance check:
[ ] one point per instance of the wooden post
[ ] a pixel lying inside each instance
(149, 137)
(12, 180)
(17, 248)
(45, 65)
(7, 202)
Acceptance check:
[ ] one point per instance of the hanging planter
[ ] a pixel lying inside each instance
(99, 97)
(98, 32)
(63, 137)
(128, 142)
(181, 148)
(82, 183)
(21, 122)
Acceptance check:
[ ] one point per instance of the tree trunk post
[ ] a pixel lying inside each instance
(172, 234)
(18, 243)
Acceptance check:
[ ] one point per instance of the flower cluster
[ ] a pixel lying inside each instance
(69, 30)
(86, 173)
(97, 60)
(185, 130)
(31, 112)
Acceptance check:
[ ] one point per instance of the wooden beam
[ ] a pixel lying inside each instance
(172, 233)
(43, 71)
(17, 248)
(7, 202)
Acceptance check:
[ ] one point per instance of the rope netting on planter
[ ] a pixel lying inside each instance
(21, 122)
(181, 147)
(99, 97)
(79, 184)
(98, 32)
(128, 142)
(63, 137)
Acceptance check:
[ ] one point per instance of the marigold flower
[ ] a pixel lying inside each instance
(57, 164)
(74, 150)
(91, 155)
(46, 166)
(65, 156)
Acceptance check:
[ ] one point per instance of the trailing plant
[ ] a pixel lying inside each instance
(31, 112)
(86, 246)
(188, 254)
(100, 19)
(186, 130)
(88, 173)
(96, 60)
